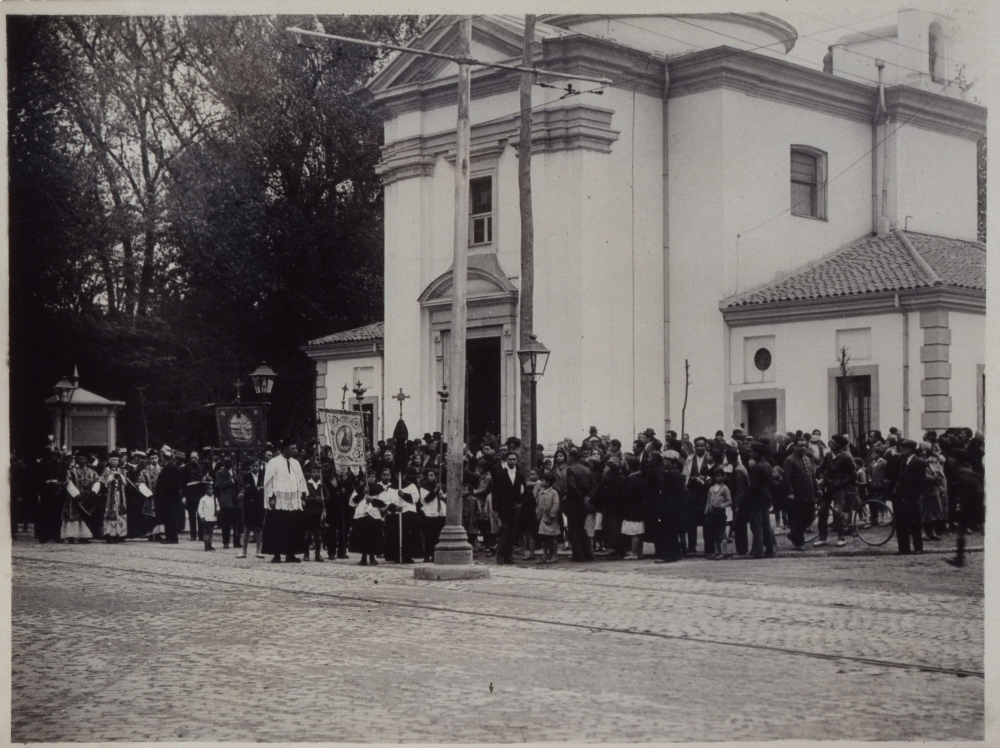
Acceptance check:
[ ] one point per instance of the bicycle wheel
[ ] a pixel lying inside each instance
(873, 523)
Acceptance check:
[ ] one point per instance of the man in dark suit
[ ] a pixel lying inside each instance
(579, 489)
(800, 480)
(696, 470)
(758, 503)
(508, 487)
(168, 494)
(912, 472)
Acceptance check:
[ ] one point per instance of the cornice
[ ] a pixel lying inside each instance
(568, 127)
(920, 299)
(779, 80)
(591, 56)
(913, 106)
(769, 78)
(346, 349)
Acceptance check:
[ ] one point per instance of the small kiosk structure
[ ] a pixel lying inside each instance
(90, 420)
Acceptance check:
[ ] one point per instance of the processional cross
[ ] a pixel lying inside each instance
(401, 397)
(343, 400)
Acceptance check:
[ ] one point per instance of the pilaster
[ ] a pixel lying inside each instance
(934, 387)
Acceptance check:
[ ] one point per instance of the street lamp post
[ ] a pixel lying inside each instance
(64, 395)
(443, 394)
(534, 358)
(263, 382)
(359, 392)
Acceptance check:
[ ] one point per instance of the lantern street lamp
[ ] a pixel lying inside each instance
(263, 379)
(534, 358)
(64, 395)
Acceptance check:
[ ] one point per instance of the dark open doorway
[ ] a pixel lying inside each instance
(762, 417)
(482, 388)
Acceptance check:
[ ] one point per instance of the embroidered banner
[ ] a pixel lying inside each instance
(240, 426)
(344, 431)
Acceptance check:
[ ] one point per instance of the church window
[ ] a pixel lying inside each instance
(935, 42)
(481, 210)
(808, 182)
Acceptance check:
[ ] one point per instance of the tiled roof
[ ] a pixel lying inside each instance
(956, 262)
(85, 397)
(374, 331)
(876, 265)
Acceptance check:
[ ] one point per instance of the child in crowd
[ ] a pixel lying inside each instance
(208, 513)
(367, 530)
(719, 499)
(527, 522)
(859, 464)
(315, 501)
(547, 512)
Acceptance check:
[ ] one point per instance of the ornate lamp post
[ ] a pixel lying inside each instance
(359, 392)
(64, 390)
(443, 394)
(263, 382)
(534, 358)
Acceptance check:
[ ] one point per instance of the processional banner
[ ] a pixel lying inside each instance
(240, 426)
(344, 431)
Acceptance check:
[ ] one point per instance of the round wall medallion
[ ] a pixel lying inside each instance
(762, 359)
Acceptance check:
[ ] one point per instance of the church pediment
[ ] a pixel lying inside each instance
(494, 39)
(486, 280)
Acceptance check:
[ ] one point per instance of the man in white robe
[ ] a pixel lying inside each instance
(284, 498)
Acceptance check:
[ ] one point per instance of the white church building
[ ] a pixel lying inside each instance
(801, 240)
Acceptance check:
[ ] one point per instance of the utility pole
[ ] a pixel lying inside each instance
(527, 308)
(453, 546)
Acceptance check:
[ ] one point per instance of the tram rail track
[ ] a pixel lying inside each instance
(409, 604)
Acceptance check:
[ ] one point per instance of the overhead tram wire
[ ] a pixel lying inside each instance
(598, 90)
(771, 44)
(340, 52)
(868, 81)
(863, 156)
(882, 38)
(451, 58)
(629, 79)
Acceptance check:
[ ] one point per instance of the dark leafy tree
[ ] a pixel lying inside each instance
(188, 196)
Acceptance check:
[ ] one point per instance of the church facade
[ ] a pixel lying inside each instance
(724, 236)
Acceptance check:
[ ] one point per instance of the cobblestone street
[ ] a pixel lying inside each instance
(147, 642)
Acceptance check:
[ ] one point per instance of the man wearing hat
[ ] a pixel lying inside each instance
(168, 493)
(906, 509)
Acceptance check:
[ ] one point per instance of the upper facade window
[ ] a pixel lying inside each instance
(480, 211)
(808, 182)
(935, 52)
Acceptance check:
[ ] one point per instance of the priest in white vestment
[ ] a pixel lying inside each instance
(284, 500)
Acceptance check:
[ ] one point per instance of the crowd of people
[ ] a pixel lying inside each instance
(590, 499)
